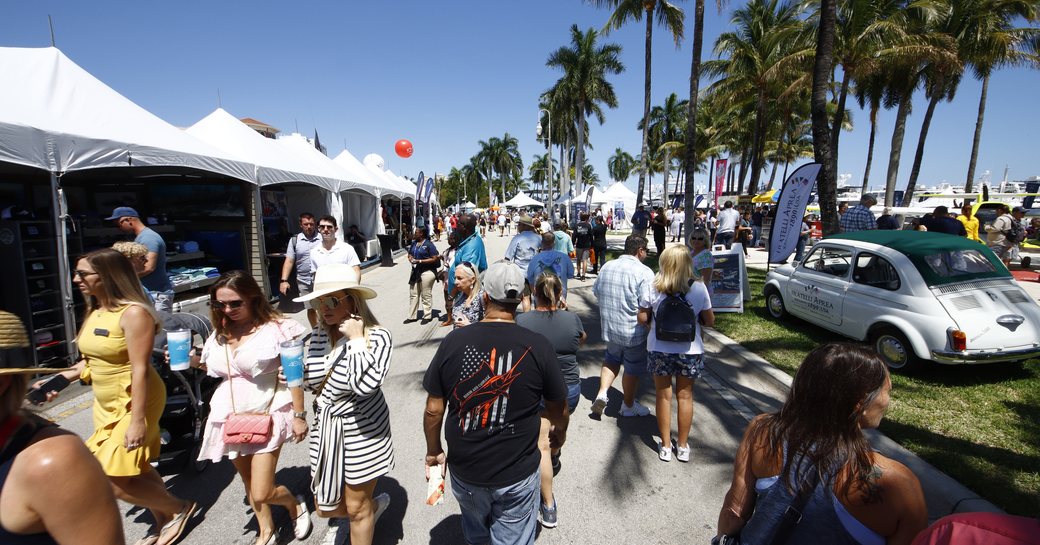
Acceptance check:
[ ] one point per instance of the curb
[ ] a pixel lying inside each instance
(764, 388)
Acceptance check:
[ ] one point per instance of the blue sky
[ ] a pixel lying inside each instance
(448, 74)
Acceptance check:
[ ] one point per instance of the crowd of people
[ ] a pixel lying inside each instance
(500, 391)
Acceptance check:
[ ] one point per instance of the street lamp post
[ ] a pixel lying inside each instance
(548, 148)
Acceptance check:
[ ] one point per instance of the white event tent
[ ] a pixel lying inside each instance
(521, 200)
(56, 117)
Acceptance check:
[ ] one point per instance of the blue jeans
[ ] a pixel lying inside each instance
(499, 516)
(725, 239)
(756, 233)
(800, 248)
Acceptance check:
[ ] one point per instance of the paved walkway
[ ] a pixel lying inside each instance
(612, 488)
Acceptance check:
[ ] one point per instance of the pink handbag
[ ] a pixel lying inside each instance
(246, 428)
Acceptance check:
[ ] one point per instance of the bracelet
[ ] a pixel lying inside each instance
(284, 280)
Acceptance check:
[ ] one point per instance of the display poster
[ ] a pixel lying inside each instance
(729, 282)
(720, 178)
(619, 210)
(790, 209)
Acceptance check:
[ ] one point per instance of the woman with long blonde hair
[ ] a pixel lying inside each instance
(681, 359)
(348, 359)
(116, 342)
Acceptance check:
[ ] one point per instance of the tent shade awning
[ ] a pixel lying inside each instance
(521, 200)
(56, 116)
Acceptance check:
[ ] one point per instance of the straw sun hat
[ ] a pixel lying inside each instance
(333, 277)
(14, 345)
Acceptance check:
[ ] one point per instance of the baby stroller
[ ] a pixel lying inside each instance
(187, 397)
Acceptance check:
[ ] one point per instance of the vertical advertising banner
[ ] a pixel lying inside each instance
(588, 198)
(790, 209)
(720, 178)
(419, 186)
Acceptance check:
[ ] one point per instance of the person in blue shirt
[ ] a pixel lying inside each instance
(153, 275)
(471, 249)
(549, 259)
(640, 221)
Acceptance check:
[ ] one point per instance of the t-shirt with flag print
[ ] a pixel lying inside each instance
(493, 376)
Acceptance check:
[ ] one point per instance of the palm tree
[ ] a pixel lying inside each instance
(585, 65)
(826, 181)
(500, 156)
(766, 47)
(870, 91)
(868, 33)
(989, 42)
(620, 165)
(668, 16)
(690, 153)
(539, 170)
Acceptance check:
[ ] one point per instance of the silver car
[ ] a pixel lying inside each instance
(914, 295)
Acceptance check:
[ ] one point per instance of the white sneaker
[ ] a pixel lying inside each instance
(302, 525)
(382, 502)
(664, 453)
(637, 409)
(682, 453)
(599, 404)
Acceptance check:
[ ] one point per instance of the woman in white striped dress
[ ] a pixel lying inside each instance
(347, 360)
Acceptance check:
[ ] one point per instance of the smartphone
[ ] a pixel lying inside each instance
(56, 383)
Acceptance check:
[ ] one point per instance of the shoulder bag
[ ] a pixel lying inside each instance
(246, 428)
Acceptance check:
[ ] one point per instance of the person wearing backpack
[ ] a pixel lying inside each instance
(680, 307)
(1005, 233)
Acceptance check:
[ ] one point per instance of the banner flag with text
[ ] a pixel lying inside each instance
(720, 178)
(790, 209)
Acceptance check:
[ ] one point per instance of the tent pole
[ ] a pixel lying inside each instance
(258, 213)
(64, 274)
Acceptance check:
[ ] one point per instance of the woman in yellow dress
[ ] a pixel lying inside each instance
(116, 344)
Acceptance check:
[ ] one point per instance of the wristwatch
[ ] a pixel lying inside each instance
(285, 280)
(301, 415)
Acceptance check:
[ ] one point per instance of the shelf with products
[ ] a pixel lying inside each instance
(33, 291)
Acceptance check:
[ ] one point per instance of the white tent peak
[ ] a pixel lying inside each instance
(374, 160)
(58, 117)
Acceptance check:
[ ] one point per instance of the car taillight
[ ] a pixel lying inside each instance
(958, 340)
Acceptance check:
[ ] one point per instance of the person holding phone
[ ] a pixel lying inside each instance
(348, 359)
(35, 454)
(243, 350)
(116, 341)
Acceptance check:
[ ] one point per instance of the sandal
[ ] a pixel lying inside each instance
(175, 528)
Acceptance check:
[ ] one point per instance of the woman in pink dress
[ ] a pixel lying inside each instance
(243, 350)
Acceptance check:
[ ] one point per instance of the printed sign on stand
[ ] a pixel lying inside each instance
(729, 281)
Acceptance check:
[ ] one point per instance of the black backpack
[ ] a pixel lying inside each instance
(1015, 233)
(675, 320)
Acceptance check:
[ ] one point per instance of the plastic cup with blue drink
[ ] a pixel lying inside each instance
(178, 342)
(292, 362)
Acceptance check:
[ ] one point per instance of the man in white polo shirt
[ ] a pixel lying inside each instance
(332, 250)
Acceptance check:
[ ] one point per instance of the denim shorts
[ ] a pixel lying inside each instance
(499, 516)
(573, 396)
(663, 364)
(632, 357)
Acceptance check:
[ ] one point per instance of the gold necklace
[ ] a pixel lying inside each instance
(499, 320)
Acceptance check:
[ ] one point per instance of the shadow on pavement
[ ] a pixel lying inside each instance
(390, 528)
(448, 530)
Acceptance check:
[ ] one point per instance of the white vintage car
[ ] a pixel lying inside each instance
(914, 295)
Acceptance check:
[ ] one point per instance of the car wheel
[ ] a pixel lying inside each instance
(775, 303)
(895, 349)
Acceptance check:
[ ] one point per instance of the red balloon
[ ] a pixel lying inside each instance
(403, 148)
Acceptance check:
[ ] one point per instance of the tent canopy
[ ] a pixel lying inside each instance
(354, 168)
(274, 163)
(57, 117)
(769, 196)
(521, 200)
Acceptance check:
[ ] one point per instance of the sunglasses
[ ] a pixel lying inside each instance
(326, 227)
(83, 274)
(227, 305)
(327, 302)
(698, 238)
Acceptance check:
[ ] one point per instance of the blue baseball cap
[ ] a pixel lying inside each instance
(123, 212)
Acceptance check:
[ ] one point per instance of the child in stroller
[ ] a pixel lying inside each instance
(187, 397)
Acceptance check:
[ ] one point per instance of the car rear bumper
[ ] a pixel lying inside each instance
(994, 356)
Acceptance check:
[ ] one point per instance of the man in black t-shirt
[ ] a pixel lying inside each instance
(582, 243)
(658, 225)
(493, 375)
